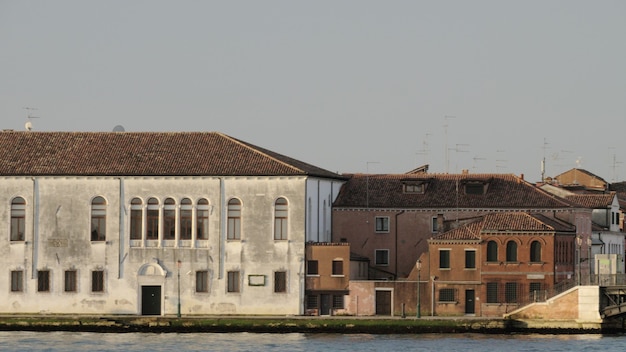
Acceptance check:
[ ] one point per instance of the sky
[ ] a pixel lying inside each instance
(489, 86)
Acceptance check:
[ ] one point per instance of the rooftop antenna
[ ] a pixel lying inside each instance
(614, 167)
(476, 158)
(445, 131)
(425, 149)
(500, 163)
(29, 124)
(459, 149)
(543, 160)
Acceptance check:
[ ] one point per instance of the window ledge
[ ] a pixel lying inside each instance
(337, 275)
(313, 275)
(447, 302)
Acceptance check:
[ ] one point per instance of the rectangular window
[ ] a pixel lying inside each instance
(413, 188)
(70, 281)
(337, 267)
(202, 281)
(474, 188)
(136, 219)
(492, 292)
(98, 219)
(280, 281)
(470, 259)
(185, 221)
(43, 281)
(510, 292)
(153, 224)
(233, 281)
(382, 224)
(382, 257)
(338, 302)
(311, 302)
(18, 219)
(97, 281)
(535, 291)
(311, 267)
(444, 259)
(434, 224)
(447, 295)
(17, 281)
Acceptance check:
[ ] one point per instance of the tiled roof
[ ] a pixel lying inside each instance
(142, 154)
(592, 201)
(505, 223)
(504, 191)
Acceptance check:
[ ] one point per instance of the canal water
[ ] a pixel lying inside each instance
(144, 342)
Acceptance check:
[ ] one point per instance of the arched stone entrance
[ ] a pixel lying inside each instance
(150, 281)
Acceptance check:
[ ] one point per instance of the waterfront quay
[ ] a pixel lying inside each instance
(296, 324)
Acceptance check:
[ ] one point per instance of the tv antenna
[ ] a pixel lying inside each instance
(29, 124)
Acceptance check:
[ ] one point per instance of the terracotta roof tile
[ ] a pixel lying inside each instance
(592, 201)
(504, 191)
(142, 154)
(504, 223)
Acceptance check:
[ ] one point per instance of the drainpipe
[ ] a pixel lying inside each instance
(396, 234)
(122, 239)
(35, 227)
(222, 245)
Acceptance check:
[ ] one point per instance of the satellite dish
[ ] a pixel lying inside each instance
(28, 125)
(118, 128)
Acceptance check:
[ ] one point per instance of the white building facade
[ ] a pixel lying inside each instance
(156, 224)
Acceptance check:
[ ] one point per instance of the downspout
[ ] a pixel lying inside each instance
(222, 245)
(122, 239)
(396, 249)
(35, 227)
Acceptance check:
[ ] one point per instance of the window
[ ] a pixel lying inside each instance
(434, 224)
(511, 251)
(474, 188)
(98, 219)
(185, 219)
(70, 281)
(444, 259)
(202, 281)
(311, 267)
(202, 220)
(311, 302)
(169, 219)
(234, 219)
(535, 252)
(470, 259)
(136, 218)
(18, 219)
(280, 281)
(447, 295)
(43, 281)
(17, 281)
(510, 292)
(338, 302)
(337, 267)
(153, 219)
(535, 291)
(233, 281)
(280, 219)
(97, 281)
(492, 251)
(382, 257)
(492, 292)
(414, 188)
(382, 224)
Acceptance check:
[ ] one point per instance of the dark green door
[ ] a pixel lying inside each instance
(470, 307)
(150, 300)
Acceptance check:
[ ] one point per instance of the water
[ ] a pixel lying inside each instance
(141, 342)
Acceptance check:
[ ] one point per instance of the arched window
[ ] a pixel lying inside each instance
(281, 208)
(511, 251)
(202, 219)
(98, 219)
(234, 219)
(535, 251)
(18, 219)
(169, 219)
(492, 251)
(185, 219)
(152, 225)
(136, 218)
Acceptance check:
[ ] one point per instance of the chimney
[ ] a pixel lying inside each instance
(465, 171)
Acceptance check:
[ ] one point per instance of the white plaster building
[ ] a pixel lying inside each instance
(156, 224)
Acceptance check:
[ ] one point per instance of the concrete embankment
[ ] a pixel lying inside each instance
(348, 325)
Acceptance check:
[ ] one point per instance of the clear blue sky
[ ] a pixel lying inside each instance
(347, 85)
